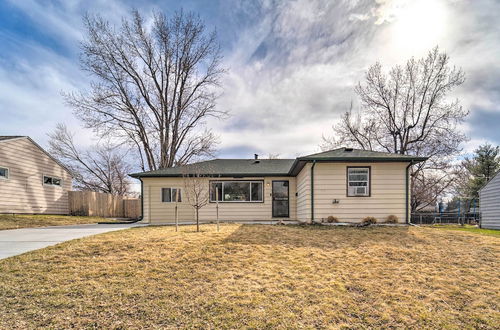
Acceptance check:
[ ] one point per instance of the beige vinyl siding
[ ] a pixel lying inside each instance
(304, 194)
(489, 203)
(24, 191)
(330, 182)
(387, 192)
(157, 212)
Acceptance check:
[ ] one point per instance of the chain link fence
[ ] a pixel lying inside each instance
(445, 218)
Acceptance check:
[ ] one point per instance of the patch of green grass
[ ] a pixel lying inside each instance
(470, 229)
(9, 221)
(256, 276)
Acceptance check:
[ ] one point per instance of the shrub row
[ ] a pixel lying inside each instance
(366, 221)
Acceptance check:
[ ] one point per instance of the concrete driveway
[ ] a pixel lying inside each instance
(18, 241)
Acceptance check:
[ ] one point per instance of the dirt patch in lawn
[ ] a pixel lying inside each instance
(257, 276)
(9, 221)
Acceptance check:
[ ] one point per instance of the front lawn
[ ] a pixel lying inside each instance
(9, 221)
(257, 276)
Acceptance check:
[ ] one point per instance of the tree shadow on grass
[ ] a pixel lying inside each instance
(321, 237)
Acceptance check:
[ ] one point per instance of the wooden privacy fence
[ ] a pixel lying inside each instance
(90, 203)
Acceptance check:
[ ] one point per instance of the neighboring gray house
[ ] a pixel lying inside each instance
(489, 201)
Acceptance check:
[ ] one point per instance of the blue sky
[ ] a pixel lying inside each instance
(292, 65)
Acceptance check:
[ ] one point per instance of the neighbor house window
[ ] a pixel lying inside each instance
(358, 181)
(4, 173)
(51, 181)
(236, 191)
(171, 195)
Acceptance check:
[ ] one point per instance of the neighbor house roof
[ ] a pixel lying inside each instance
(275, 167)
(226, 168)
(10, 137)
(490, 180)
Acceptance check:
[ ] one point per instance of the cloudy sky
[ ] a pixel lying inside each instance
(291, 65)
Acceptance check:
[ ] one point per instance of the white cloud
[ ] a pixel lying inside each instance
(292, 65)
(292, 73)
(34, 75)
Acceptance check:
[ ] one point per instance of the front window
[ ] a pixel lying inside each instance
(358, 181)
(236, 191)
(171, 195)
(51, 181)
(4, 173)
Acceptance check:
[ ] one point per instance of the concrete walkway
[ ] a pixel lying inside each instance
(18, 241)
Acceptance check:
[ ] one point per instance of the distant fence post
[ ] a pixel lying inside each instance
(91, 203)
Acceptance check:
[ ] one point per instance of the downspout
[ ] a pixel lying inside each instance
(312, 191)
(408, 218)
(142, 200)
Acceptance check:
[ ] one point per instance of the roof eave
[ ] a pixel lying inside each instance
(225, 175)
(363, 159)
(15, 138)
(486, 183)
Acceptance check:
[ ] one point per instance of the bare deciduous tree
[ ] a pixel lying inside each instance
(154, 86)
(407, 111)
(273, 156)
(197, 188)
(101, 168)
(197, 193)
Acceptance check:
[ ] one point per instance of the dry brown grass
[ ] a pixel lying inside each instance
(254, 276)
(9, 221)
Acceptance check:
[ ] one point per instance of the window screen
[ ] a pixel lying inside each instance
(358, 181)
(171, 195)
(166, 195)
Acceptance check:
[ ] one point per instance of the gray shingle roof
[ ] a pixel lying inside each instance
(349, 154)
(226, 167)
(275, 167)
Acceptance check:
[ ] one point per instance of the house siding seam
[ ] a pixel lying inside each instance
(304, 194)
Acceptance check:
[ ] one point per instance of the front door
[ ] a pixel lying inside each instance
(280, 193)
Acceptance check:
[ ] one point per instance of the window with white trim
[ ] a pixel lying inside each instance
(51, 181)
(4, 173)
(236, 191)
(358, 181)
(171, 195)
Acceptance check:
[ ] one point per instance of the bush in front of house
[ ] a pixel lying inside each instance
(369, 221)
(392, 219)
(332, 219)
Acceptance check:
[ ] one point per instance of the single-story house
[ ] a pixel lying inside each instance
(31, 180)
(489, 202)
(347, 183)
